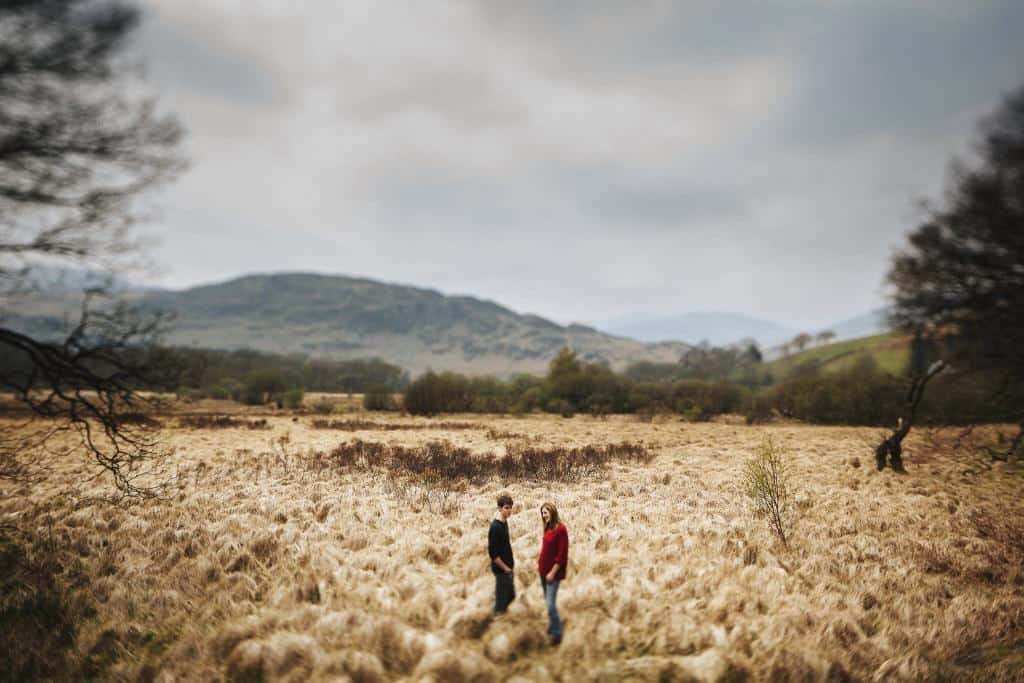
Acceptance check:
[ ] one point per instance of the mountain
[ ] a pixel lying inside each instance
(719, 329)
(73, 281)
(346, 318)
(864, 325)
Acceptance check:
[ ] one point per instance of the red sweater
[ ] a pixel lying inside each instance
(554, 548)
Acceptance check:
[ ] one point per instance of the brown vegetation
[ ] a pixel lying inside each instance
(221, 422)
(359, 425)
(440, 461)
(298, 560)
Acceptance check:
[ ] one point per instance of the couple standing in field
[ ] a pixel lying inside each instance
(551, 563)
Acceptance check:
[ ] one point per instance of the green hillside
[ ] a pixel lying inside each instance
(891, 351)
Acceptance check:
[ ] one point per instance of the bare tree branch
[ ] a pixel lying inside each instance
(76, 150)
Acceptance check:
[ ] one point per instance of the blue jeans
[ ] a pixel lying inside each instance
(550, 595)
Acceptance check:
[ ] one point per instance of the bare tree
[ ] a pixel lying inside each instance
(75, 151)
(825, 336)
(801, 340)
(959, 283)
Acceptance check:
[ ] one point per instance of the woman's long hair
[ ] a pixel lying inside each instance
(553, 520)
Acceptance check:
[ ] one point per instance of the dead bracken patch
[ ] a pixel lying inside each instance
(221, 422)
(502, 435)
(141, 419)
(358, 425)
(443, 461)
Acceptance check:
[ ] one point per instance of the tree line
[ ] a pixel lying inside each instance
(862, 394)
(255, 377)
(246, 376)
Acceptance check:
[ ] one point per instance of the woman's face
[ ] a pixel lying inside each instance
(545, 514)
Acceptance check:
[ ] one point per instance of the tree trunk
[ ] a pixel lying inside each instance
(891, 448)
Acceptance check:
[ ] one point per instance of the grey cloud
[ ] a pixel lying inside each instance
(577, 199)
(178, 59)
(857, 68)
(667, 205)
(455, 205)
(534, 155)
(468, 98)
(901, 71)
(609, 39)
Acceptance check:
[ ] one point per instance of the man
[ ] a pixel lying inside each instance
(499, 548)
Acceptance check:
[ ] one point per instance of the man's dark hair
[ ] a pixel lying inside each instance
(504, 499)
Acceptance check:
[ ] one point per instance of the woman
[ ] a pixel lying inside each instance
(554, 556)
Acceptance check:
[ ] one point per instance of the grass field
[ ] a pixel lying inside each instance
(269, 559)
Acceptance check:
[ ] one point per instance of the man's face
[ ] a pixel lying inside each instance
(506, 511)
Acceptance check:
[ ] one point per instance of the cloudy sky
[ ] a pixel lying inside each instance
(579, 160)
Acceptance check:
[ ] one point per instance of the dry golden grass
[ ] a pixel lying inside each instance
(258, 565)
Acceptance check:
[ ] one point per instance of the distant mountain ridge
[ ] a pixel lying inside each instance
(717, 328)
(339, 317)
(864, 325)
(724, 329)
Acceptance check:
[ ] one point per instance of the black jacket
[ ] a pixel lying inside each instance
(499, 545)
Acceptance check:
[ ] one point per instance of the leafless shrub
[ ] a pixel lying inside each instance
(221, 422)
(767, 482)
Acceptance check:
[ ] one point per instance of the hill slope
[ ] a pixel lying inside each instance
(345, 318)
(867, 324)
(891, 351)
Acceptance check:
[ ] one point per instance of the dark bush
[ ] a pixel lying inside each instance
(559, 406)
(860, 395)
(219, 392)
(758, 409)
(433, 393)
(379, 398)
(701, 399)
(263, 385)
(293, 398)
(959, 399)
